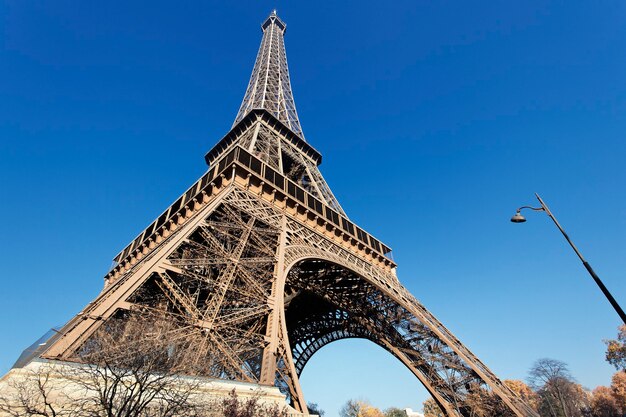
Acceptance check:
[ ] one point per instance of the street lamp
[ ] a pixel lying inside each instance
(518, 218)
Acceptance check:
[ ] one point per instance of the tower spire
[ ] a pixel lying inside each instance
(269, 87)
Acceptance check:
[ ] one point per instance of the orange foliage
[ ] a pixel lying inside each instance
(618, 386)
(523, 391)
(603, 403)
(431, 409)
(370, 411)
(616, 350)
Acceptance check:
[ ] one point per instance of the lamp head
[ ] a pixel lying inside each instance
(518, 218)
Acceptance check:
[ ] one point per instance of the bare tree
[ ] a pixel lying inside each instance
(132, 367)
(395, 412)
(559, 395)
(33, 394)
(431, 409)
(232, 406)
(352, 408)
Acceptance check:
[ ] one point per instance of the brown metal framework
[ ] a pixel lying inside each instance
(260, 267)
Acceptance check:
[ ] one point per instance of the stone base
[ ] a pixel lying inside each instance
(61, 389)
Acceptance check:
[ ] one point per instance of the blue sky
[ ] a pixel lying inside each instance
(436, 120)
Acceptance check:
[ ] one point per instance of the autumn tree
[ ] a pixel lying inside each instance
(618, 386)
(478, 403)
(523, 391)
(369, 410)
(616, 350)
(603, 403)
(431, 409)
(482, 402)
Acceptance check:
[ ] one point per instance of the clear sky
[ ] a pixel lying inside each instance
(436, 120)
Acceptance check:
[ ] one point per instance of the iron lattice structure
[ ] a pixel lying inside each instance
(269, 86)
(260, 267)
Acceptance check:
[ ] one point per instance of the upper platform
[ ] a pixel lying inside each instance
(265, 116)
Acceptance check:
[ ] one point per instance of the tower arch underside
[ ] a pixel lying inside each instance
(327, 299)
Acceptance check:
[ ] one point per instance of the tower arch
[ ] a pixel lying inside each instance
(326, 300)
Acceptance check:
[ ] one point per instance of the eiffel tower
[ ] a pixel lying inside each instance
(262, 267)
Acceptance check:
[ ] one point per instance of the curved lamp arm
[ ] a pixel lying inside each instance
(518, 218)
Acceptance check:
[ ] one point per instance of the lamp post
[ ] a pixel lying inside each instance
(518, 218)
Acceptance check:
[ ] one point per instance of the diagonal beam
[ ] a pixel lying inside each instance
(227, 275)
(166, 283)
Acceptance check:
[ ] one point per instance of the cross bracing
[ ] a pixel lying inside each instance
(258, 267)
(249, 250)
(269, 86)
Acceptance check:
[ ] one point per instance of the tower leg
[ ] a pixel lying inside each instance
(277, 364)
